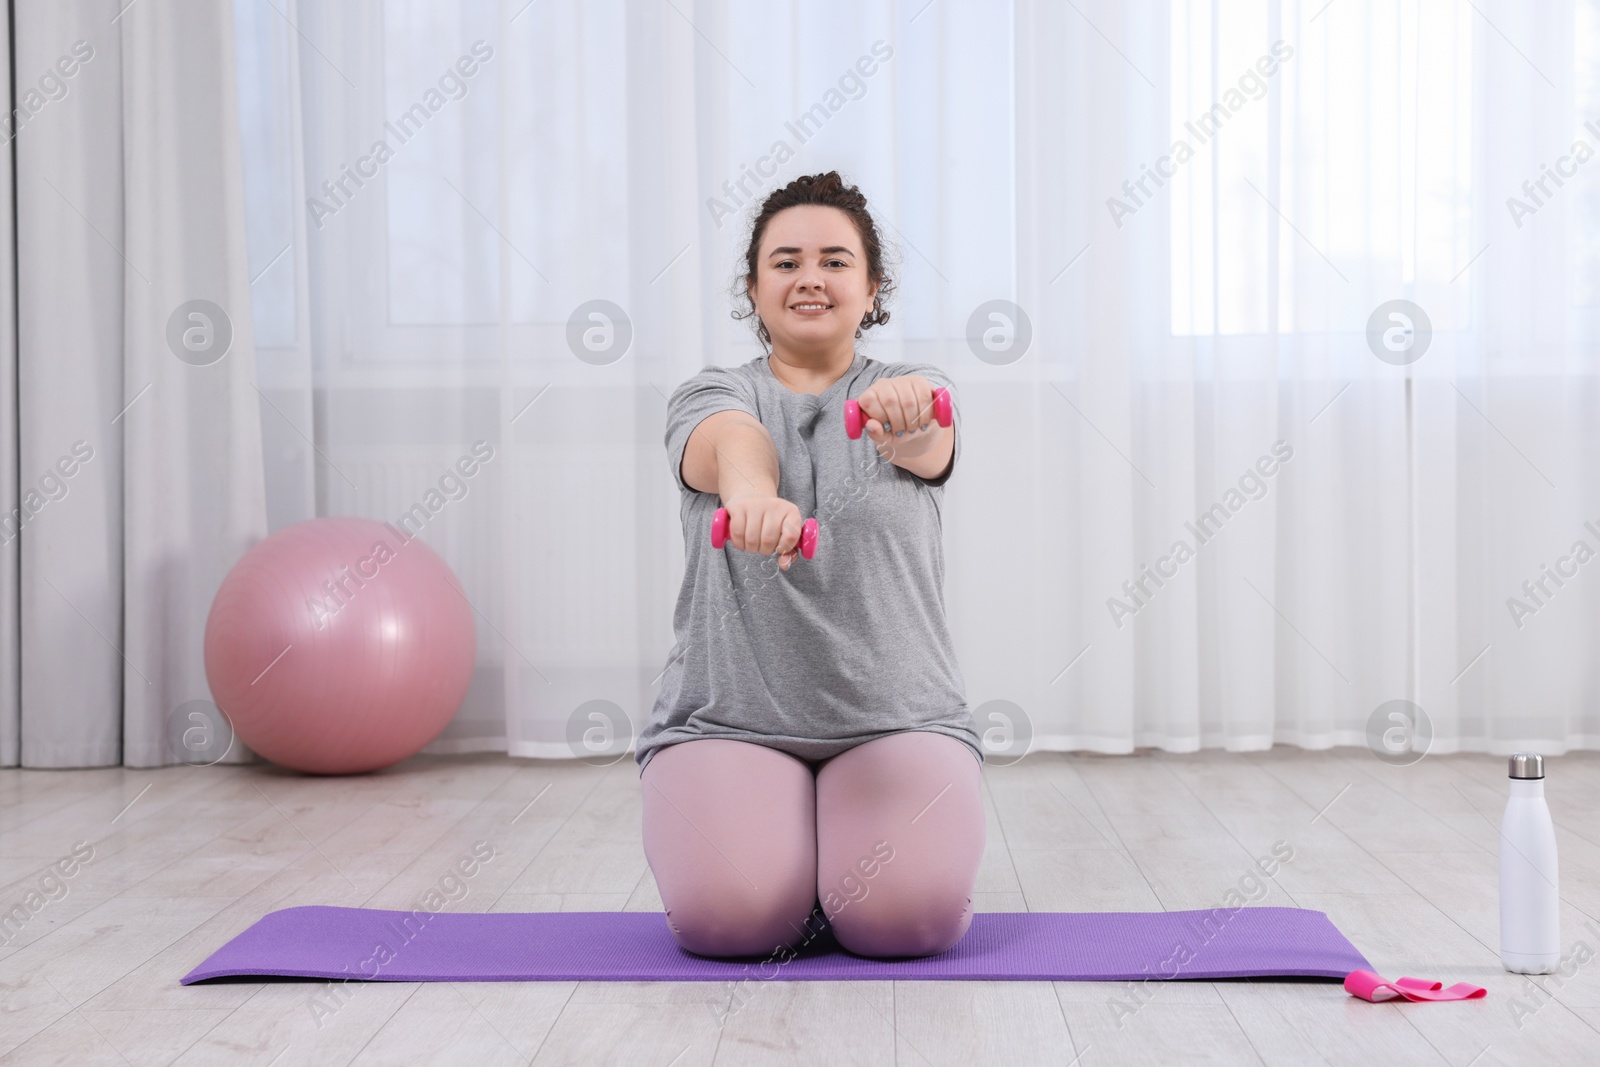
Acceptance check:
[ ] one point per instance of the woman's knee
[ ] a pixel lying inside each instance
(904, 920)
(733, 920)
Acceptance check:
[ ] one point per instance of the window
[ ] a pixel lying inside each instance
(1340, 177)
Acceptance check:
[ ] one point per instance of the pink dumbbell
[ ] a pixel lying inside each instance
(808, 533)
(854, 423)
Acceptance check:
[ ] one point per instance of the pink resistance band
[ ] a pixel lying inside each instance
(1366, 985)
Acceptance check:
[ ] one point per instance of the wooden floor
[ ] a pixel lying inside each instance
(1403, 859)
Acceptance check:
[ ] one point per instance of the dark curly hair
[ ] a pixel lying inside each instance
(825, 190)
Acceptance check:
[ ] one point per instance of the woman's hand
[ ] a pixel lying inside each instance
(764, 524)
(913, 437)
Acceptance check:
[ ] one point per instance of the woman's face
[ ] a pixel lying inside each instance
(811, 287)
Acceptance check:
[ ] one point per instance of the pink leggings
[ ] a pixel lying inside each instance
(745, 840)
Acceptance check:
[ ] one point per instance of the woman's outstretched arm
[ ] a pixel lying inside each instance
(731, 454)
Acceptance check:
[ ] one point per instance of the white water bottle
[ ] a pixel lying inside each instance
(1530, 922)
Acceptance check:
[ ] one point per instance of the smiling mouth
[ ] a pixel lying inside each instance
(810, 307)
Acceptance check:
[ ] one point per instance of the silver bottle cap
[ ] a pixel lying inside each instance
(1527, 765)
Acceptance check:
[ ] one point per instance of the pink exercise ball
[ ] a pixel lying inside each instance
(339, 645)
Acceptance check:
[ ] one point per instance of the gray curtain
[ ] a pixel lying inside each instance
(131, 443)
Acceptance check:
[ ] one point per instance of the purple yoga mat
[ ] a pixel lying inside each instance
(636, 946)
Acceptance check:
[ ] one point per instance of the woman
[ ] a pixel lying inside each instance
(811, 740)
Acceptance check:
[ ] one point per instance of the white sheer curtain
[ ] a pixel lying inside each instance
(130, 461)
(1179, 333)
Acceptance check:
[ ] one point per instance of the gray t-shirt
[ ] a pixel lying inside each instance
(841, 649)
